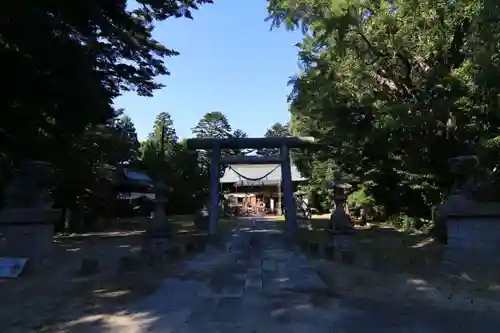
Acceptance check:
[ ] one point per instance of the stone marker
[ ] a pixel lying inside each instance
(471, 216)
(27, 217)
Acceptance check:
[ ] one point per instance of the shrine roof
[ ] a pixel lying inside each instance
(128, 177)
(137, 176)
(272, 172)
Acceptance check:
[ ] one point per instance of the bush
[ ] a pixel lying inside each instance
(378, 212)
(362, 199)
(410, 223)
(325, 206)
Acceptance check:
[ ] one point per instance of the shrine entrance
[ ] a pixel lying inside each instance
(284, 144)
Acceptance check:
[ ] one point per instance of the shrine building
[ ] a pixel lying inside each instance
(257, 188)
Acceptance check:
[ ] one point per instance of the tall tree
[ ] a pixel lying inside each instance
(187, 179)
(164, 122)
(213, 125)
(163, 128)
(394, 88)
(238, 133)
(64, 72)
(128, 148)
(66, 69)
(277, 129)
(85, 180)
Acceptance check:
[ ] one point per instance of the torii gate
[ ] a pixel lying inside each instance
(283, 143)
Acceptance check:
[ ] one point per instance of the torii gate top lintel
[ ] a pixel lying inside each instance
(253, 143)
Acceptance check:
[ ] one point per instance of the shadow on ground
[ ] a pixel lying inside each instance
(258, 283)
(381, 256)
(88, 276)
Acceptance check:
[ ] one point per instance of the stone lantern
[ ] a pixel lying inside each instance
(340, 221)
(160, 222)
(159, 229)
(341, 246)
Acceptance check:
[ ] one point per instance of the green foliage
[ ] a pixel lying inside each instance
(216, 125)
(239, 134)
(65, 65)
(213, 125)
(164, 128)
(183, 171)
(360, 198)
(127, 144)
(189, 185)
(85, 181)
(277, 129)
(392, 90)
(410, 223)
(177, 167)
(325, 205)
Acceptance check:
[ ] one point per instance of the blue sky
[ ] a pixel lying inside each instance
(229, 61)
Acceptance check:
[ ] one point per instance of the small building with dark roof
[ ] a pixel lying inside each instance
(134, 184)
(135, 192)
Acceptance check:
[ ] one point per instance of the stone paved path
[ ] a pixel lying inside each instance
(256, 284)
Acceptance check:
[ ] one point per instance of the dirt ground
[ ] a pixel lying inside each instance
(388, 265)
(391, 265)
(61, 292)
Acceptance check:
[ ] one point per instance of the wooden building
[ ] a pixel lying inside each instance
(256, 188)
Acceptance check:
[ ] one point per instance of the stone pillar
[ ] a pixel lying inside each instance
(27, 218)
(470, 219)
(214, 190)
(278, 202)
(28, 233)
(160, 217)
(286, 175)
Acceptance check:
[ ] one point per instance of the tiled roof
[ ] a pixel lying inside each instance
(254, 171)
(137, 176)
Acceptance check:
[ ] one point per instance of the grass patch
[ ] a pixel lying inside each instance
(320, 216)
(184, 224)
(400, 251)
(382, 245)
(281, 218)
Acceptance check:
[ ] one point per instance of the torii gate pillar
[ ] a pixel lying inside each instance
(286, 175)
(214, 190)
